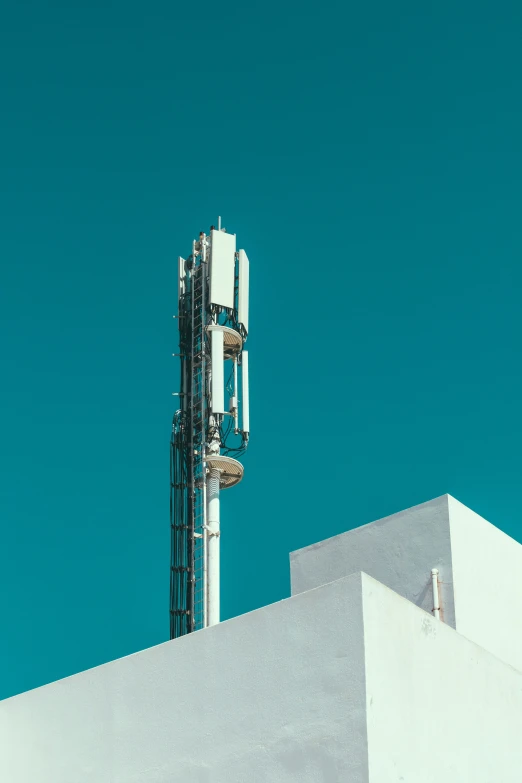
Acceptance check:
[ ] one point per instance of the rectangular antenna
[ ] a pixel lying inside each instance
(222, 268)
(245, 401)
(181, 276)
(217, 377)
(242, 301)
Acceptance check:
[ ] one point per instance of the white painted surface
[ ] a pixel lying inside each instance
(245, 402)
(217, 375)
(274, 696)
(399, 551)
(222, 268)
(244, 282)
(181, 276)
(440, 708)
(213, 584)
(480, 569)
(346, 682)
(487, 573)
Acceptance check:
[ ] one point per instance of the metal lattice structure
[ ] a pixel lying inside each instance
(206, 434)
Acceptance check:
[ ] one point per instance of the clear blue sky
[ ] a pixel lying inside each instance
(368, 156)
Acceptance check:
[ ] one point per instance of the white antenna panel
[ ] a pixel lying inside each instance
(181, 276)
(217, 377)
(245, 400)
(242, 303)
(222, 268)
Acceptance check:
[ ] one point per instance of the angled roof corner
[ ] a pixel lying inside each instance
(399, 550)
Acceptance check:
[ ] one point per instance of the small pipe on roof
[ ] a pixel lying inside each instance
(435, 589)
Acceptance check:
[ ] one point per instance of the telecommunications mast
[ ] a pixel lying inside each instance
(211, 428)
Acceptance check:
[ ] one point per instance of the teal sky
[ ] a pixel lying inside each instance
(369, 158)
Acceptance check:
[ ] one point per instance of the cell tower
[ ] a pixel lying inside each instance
(211, 428)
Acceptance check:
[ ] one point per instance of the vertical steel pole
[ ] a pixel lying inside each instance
(213, 545)
(205, 387)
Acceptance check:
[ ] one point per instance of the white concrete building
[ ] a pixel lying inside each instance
(351, 679)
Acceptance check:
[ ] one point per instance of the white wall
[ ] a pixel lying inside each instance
(274, 696)
(480, 569)
(487, 575)
(399, 551)
(440, 708)
(348, 682)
